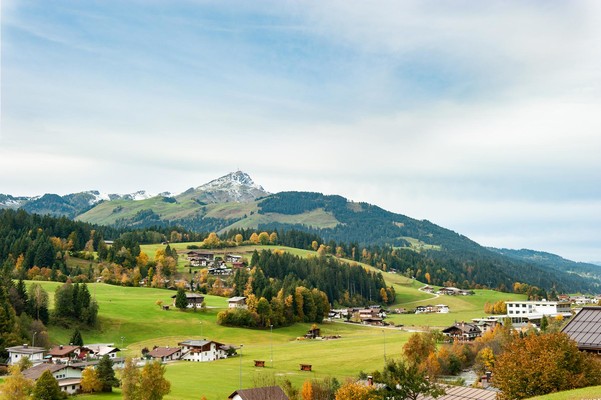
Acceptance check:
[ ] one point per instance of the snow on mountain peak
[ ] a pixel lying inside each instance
(234, 187)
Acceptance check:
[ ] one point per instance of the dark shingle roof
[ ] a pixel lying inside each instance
(585, 328)
(261, 393)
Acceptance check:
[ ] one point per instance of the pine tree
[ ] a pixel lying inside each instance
(106, 374)
(76, 339)
(46, 388)
(544, 323)
(181, 301)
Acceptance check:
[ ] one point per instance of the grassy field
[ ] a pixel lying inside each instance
(131, 314)
(589, 393)
(130, 318)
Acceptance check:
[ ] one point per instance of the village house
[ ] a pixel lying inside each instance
(195, 300)
(99, 350)
(67, 376)
(16, 353)
(202, 350)
(585, 329)
(200, 254)
(439, 308)
(462, 332)
(453, 291)
(236, 302)
(165, 353)
(260, 393)
(231, 258)
(220, 270)
(583, 300)
(442, 308)
(64, 354)
(427, 289)
(238, 264)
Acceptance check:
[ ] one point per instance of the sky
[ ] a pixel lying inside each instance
(482, 117)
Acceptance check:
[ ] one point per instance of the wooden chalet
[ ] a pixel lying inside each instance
(236, 302)
(165, 353)
(194, 300)
(462, 332)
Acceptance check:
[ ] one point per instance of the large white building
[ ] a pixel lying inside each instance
(523, 312)
(536, 309)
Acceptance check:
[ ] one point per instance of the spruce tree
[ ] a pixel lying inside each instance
(106, 374)
(181, 301)
(76, 339)
(46, 388)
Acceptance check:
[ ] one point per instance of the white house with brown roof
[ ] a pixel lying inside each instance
(236, 302)
(99, 350)
(16, 353)
(462, 331)
(194, 300)
(67, 376)
(202, 350)
(165, 353)
(62, 353)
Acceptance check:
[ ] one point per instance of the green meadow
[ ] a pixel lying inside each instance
(131, 319)
(131, 313)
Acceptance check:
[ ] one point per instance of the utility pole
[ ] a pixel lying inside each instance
(241, 366)
(271, 340)
(384, 332)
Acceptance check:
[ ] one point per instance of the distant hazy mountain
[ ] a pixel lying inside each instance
(235, 201)
(588, 270)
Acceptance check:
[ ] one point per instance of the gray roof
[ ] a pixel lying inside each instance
(37, 371)
(236, 298)
(585, 328)
(261, 393)
(25, 349)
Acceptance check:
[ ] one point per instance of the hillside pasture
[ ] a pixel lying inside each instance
(131, 313)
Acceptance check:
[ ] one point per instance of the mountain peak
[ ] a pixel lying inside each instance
(233, 179)
(234, 187)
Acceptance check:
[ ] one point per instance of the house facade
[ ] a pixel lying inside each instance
(462, 331)
(236, 302)
(67, 376)
(202, 350)
(165, 353)
(16, 353)
(521, 312)
(195, 300)
(64, 354)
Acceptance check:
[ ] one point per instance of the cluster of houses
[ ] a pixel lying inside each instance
(439, 308)
(447, 291)
(66, 363)
(372, 315)
(215, 266)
